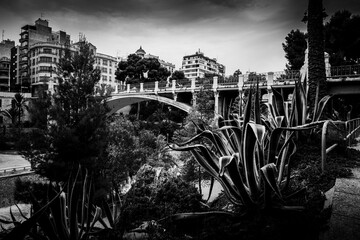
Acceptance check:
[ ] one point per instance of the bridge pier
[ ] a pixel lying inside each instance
(216, 102)
(270, 82)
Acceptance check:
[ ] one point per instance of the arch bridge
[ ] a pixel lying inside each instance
(341, 80)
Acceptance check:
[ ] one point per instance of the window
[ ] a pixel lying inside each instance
(110, 72)
(104, 78)
(110, 78)
(105, 62)
(47, 50)
(104, 70)
(45, 59)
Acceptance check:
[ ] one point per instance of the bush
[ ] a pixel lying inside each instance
(150, 199)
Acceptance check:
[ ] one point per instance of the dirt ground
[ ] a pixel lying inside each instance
(12, 159)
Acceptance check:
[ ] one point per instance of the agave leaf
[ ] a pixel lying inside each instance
(15, 221)
(235, 175)
(224, 161)
(284, 153)
(21, 213)
(20, 231)
(279, 103)
(107, 211)
(253, 133)
(247, 112)
(73, 207)
(320, 108)
(257, 114)
(291, 152)
(212, 181)
(95, 218)
(269, 174)
(301, 105)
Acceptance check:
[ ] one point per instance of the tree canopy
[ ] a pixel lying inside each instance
(341, 36)
(137, 69)
(294, 47)
(76, 131)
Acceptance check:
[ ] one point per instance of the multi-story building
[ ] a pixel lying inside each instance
(31, 35)
(107, 65)
(5, 64)
(197, 65)
(43, 62)
(169, 66)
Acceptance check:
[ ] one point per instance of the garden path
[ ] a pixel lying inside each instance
(345, 217)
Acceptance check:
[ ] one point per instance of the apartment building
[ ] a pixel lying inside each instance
(197, 65)
(5, 64)
(36, 41)
(107, 65)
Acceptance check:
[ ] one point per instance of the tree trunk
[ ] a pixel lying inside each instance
(316, 73)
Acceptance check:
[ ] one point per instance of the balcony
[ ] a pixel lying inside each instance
(47, 53)
(24, 38)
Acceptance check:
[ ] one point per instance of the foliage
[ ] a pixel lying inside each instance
(251, 157)
(177, 75)
(17, 109)
(137, 69)
(294, 48)
(39, 110)
(342, 36)
(67, 213)
(152, 198)
(130, 147)
(76, 132)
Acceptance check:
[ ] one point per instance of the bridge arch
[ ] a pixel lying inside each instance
(116, 102)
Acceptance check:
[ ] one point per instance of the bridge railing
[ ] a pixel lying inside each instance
(351, 130)
(183, 84)
(345, 71)
(135, 87)
(287, 77)
(149, 86)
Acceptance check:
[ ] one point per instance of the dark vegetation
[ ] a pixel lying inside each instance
(266, 157)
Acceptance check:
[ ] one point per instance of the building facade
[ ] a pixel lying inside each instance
(107, 65)
(5, 64)
(44, 58)
(197, 65)
(30, 36)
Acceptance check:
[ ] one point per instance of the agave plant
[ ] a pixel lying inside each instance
(69, 213)
(250, 157)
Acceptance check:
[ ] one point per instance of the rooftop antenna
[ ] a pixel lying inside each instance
(2, 35)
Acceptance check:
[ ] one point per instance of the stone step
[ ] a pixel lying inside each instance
(345, 217)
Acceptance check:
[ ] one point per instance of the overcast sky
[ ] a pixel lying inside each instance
(241, 34)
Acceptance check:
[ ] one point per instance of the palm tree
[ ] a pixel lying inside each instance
(316, 72)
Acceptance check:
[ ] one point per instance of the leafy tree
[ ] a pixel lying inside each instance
(177, 75)
(235, 76)
(341, 34)
(294, 47)
(135, 69)
(77, 121)
(316, 71)
(130, 147)
(342, 38)
(39, 110)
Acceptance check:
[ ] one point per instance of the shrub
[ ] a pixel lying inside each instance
(151, 199)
